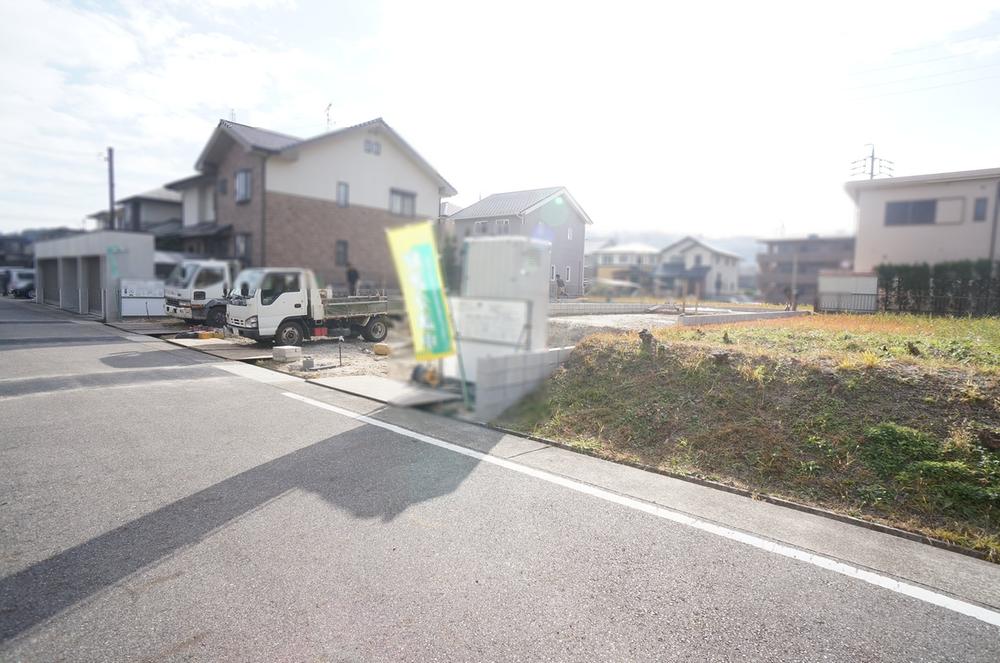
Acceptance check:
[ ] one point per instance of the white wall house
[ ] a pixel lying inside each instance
(699, 267)
(926, 218)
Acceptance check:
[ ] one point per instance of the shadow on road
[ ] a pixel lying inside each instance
(367, 471)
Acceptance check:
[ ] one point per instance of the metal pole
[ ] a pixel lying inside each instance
(111, 188)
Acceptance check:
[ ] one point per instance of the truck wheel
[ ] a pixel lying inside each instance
(376, 330)
(289, 333)
(216, 317)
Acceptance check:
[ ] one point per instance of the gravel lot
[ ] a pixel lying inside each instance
(357, 357)
(567, 330)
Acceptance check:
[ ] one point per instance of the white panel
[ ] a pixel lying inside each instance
(950, 210)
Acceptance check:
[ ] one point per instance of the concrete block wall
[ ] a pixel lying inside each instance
(725, 318)
(596, 308)
(503, 381)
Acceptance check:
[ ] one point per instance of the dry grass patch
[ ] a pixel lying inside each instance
(912, 441)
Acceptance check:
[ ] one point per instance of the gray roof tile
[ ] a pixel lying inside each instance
(261, 138)
(503, 204)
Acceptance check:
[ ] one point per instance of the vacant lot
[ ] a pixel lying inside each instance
(891, 418)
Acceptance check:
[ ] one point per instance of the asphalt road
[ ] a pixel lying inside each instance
(157, 504)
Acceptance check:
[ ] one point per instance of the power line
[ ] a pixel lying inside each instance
(946, 42)
(932, 87)
(53, 150)
(913, 64)
(917, 78)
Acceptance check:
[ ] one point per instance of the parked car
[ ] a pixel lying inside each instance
(22, 283)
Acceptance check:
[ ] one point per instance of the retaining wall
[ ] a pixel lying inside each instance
(503, 381)
(725, 318)
(596, 308)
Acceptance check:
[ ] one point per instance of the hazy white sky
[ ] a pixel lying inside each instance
(711, 118)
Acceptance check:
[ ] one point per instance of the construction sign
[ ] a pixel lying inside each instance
(415, 255)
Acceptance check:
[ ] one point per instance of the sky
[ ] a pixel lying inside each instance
(716, 119)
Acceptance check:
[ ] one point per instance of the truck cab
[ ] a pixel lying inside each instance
(285, 305)
(193, 284)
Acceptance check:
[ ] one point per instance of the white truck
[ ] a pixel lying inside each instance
(193, 285)
(285, 305)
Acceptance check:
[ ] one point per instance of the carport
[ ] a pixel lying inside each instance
(82, 273)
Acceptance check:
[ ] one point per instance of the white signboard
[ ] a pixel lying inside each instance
(488, 328)
(497, 320)
(144, 289)
(142, 298)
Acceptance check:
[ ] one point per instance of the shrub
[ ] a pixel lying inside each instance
(889, 447)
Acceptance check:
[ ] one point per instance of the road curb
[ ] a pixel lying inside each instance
(763, 497)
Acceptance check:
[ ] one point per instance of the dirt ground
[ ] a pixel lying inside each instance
(354, 357)
(569, 329)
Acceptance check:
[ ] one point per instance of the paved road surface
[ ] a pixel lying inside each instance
(157, 504)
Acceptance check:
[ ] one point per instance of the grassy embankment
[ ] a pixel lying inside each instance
(895, 419)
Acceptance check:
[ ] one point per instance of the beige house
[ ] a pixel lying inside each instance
(267, 198)
(926, 218)
(690, 266)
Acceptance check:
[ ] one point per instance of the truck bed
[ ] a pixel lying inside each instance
(359, 307)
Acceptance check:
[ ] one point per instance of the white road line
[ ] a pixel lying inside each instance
(926, 595)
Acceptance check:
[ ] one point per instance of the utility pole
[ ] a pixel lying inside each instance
(111, 188)
(872, 165)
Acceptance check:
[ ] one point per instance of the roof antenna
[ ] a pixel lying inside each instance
(232, 114)
(328, 107)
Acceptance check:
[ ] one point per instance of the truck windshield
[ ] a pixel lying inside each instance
(252, 277)
(181, 275)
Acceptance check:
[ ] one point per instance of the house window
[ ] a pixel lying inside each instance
(340, 253)
(568, 274)
(697, 260)
(223, 185)
(606, 260)
(242, 186)
(569, 235)
(241, 245)
(343, 194)
(373, 147)
(979, 210)
(402, 203)
(503, 227)
(911, 213)
(552, 272)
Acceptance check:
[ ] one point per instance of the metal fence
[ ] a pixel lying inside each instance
(895, 300)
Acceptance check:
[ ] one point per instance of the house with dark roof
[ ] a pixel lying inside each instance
(143, 211)
(550, 214)
(691, 266)
(269, 198)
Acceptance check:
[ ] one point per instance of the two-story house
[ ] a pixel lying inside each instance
(549, 214)
(690, 266)
(930, 219)
(634, 262)
(143, 212)
(793, 264)
(268, 198)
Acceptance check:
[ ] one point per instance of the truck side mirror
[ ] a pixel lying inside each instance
(244, 289)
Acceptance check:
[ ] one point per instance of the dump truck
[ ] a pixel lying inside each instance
(285, 305)
(195, 290)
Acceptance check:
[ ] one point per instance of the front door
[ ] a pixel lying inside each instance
(281, 296)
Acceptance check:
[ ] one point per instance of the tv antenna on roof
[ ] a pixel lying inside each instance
(328, 107)
(232, 114)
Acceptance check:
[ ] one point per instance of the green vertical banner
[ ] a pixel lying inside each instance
(414, 253)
